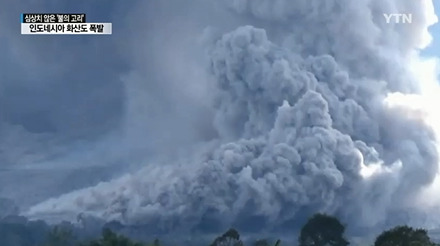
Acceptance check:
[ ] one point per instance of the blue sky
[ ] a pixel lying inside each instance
(434, 49)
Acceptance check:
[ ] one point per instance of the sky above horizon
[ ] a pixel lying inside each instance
(434, 48)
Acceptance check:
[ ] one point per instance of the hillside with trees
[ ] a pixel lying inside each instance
(319, 230)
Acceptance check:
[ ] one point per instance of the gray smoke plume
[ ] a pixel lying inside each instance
(298, 121)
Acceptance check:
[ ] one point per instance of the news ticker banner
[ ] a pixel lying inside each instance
(51, 23)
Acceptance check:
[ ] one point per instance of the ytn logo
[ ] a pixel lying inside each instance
(398, 18)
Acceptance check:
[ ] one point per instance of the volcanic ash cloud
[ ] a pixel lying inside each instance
(303, 126)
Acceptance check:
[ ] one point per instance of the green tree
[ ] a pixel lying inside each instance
(261, 242)
(110, 238)
(60, 236)
(229, 238)
(264, 242)
(404, 236)
(322, 230)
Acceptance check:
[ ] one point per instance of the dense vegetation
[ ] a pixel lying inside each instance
(320, 230)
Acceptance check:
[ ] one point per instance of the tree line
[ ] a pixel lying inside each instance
(319, 230)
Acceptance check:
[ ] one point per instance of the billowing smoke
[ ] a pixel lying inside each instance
(306, 112)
